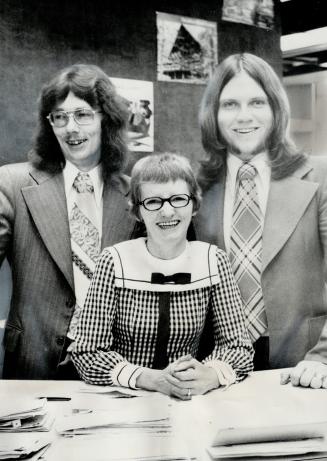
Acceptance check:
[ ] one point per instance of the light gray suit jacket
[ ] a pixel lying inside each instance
(293, 260)
(35, 237)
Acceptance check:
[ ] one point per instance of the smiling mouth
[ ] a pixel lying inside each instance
(168, 224)
(245, 130)
(75, 142)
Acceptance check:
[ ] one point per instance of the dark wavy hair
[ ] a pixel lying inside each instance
(284, 157)
(90, 83)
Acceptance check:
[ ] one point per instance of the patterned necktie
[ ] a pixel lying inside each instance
(246, 249)
(85, 241)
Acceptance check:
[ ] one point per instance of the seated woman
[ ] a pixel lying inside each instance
(149, 298)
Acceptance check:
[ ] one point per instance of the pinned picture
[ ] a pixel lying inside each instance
(258, 13)
(139, 99)
(187, 48)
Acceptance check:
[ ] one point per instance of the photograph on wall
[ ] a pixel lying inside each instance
(139, 97)
(187, 48)
(258, 13)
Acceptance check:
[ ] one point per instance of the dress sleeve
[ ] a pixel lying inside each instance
(232, 343)
(92, 354)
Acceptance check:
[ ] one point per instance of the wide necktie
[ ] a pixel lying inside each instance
(85, 241)
(246, 250)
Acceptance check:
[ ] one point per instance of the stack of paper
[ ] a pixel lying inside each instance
(25, 415)
(290, 427)
(16, 446)
(140, 414)
(111, 429)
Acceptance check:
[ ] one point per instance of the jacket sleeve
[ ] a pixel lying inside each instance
(232, 342)
(7, 212)
(319, 351)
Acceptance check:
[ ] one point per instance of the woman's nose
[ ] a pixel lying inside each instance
(167, 209)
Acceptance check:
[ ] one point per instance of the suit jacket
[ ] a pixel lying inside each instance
(293, 259)
(35, 237)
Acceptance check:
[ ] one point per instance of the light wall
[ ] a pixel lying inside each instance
(308, 99)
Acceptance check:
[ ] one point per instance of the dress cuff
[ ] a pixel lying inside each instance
(225, 373)
(125, 374)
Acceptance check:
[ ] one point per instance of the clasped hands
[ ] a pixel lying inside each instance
(186, 377)
(307, 373)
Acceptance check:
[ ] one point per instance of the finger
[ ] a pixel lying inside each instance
(306, 377)
(285, 377)
(316, 382)
(185, 365)
(186, 375)
(183, 394)
(182, 385)
(184, 358)
(296, 374)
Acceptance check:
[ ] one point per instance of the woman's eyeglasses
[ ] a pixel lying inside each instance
(60, 118)
(176, 201)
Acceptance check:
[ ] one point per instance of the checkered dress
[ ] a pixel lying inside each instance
(119, 324)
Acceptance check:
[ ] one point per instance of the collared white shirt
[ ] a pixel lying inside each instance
(70, 172)
(262, 180)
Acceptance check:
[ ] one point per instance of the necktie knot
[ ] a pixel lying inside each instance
(83, 183)
(247, 171)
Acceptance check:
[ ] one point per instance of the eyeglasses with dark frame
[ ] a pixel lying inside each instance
(60, 118)
(156, 203)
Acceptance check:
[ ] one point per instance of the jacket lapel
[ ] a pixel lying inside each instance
(209, 221)
(46, 201)
(287, 201)
(117, 224)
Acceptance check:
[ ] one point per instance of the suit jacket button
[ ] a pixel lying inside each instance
(60, 340)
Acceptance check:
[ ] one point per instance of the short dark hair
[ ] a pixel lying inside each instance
(162, 168)
(92, 84)
(284, 156)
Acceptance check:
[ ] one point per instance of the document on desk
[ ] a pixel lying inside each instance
(143, 413)
(137, 429)
(19, 445)
(112, 391)
(24, 415)
(285, 426)
(282, 420)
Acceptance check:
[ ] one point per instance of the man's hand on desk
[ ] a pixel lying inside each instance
(307, 373)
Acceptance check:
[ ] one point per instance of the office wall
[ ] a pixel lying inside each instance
(308, 100)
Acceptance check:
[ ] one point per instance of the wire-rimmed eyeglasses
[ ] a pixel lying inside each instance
(156, 203)
(60, 118)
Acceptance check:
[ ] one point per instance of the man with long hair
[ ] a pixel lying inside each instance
(57, 212)
(265, 203)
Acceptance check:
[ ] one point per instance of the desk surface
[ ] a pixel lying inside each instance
(193, 422)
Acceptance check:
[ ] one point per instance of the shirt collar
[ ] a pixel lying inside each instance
(260, 161)
(70, 172)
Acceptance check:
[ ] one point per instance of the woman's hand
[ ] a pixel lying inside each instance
(190, 377)
(161, 381)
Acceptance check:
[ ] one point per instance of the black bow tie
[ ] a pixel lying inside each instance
(180, 278)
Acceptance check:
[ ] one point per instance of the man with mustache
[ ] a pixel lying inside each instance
(56, 214)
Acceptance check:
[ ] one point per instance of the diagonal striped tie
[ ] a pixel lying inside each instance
(85, 241)
(246, 249)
